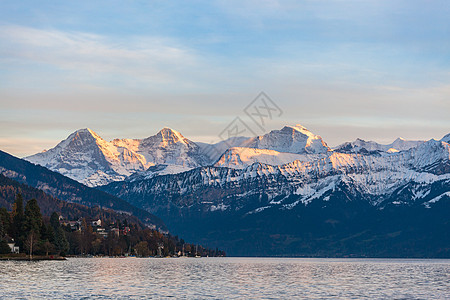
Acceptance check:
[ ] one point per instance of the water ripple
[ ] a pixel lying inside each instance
(225, 278)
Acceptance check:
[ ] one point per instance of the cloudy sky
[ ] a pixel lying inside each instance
(372, 69)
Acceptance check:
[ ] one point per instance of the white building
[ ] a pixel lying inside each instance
(14, 248)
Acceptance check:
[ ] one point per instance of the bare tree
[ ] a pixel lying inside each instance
(47, 246)
(30, 243)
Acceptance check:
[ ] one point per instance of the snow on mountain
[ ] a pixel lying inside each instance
(407, 175)
(292, 139)
(401, 144)
(215, 150)
(170, 147)
(168, 151)
(373, 189)
(87, 158)
(158, 170)
(240, 157)
(359, 145)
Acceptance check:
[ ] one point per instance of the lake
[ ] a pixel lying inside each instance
(226, 278)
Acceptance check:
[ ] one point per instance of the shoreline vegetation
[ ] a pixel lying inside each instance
(24, 257)
(25, 234)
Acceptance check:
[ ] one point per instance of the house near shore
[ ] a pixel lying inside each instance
(75, 225)
(102, 232)
(14, 248)
(95, 222)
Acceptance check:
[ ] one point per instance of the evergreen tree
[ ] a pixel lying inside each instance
(17, 220)
(57, 235)
(54, 221)
(46, 232)
(2, 230)
(4, 248)
(5, 222)
(33, 218)
(60, 241)
(50, 234)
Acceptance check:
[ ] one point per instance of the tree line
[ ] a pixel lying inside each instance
(36, 234)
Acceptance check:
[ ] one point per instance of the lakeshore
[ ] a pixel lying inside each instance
(33, 258)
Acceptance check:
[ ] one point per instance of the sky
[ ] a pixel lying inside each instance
(370, 69)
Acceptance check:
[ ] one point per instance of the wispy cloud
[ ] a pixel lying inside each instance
(151, 59)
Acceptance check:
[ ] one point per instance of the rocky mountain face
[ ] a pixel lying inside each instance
(86, 157)
(375, 177)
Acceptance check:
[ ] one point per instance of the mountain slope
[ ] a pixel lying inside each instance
(167, 152)
(9, 189)
(374, 175)
(67, 189)
(169, 147)
(86, 157)
(240, 158)
(215, 150)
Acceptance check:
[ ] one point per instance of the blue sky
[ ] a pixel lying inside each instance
(344, 69)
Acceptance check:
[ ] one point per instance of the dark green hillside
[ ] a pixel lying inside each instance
(9, 188)
(67, 189)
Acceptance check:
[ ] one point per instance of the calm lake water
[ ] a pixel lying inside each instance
(225, 278)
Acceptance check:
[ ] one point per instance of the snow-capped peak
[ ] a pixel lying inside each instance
(88, 158)
(166, 137)
(169, 136)
(79, 138)
(84, 132)
(300, 128)
(293, 139)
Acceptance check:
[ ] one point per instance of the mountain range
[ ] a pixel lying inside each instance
(283, 193)
(86, 157)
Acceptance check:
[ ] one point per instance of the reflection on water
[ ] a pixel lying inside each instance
(194, 278)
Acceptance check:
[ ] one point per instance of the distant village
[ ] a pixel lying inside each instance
(27, 232)
(96, 225)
